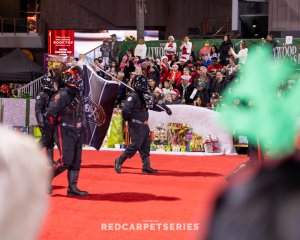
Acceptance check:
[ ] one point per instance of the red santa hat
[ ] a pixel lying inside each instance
(163, 57)
(182, 59)
(175, 91)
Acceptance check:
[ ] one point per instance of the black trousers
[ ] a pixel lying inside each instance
(69, 142)
(47, 137)
(140, 141)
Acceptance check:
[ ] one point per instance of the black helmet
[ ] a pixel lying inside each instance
(73, 77)
(47, 82)
(140, 83)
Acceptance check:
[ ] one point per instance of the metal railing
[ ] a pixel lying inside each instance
(18, 25)
(94, 53)
(31, 89)
(155, 52)
(216, 27)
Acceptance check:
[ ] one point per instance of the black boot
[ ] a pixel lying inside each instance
(49, 152)
(146, 167)
(54, 173)
(49, 190)
(72, 188)
(118, 163)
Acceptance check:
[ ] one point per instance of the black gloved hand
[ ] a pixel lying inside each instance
(168, 110)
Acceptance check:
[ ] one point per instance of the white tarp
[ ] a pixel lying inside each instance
(202, 120)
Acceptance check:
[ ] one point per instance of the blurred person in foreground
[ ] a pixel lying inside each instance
(265, 204)
(24, 179)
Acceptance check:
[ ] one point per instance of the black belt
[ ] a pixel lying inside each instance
(139, 122)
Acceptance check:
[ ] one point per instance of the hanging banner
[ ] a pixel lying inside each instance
(53, 61)
(61, 42)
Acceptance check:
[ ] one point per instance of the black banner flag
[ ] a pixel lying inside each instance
(99, 98)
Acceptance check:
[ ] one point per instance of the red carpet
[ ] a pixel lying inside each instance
(181, 193)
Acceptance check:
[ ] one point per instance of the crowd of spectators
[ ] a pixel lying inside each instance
(9, 90)
(180, 76)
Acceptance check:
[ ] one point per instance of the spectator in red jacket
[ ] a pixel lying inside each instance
(174, 75)
(164, 68)
(214, 66)
(186, 76)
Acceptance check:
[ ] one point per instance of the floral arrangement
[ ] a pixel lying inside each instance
(179, 137)
(160, 135)
(159, 138)
(196, 144)
(180, 134)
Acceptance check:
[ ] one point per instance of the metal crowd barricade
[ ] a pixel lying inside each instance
(32, 89)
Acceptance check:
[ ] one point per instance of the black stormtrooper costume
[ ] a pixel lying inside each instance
(135, 111)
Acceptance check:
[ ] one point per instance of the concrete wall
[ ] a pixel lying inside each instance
(10, 8)
(284, 17)
(171, 16)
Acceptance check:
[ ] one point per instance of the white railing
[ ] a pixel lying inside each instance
(94, 53)
(32, 89)
(155, 52)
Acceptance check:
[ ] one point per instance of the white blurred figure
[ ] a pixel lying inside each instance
(24, 178)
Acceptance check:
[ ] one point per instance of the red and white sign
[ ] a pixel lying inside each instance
(61, 42)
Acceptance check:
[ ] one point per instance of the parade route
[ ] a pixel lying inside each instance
(173, 205)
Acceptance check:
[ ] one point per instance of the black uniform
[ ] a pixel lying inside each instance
(41, 106)
(135, 111)
(65, 114)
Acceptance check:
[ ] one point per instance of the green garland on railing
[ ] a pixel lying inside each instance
(27, 116)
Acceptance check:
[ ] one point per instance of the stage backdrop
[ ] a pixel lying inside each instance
(202, 120)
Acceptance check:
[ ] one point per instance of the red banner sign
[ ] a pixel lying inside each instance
(61, 42)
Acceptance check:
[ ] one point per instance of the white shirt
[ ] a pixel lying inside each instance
(242, 55)
(170, 50)
(187, 46)
(140, 50)
(167, 92)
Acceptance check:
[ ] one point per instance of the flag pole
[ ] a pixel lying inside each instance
(114, 78)
(123, 84)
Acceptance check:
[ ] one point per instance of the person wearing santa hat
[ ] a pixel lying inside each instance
(186, 47)
(174, 75)
(170, 48)
(164, 68)
(182, 64)
(158, 96)
(173, 97)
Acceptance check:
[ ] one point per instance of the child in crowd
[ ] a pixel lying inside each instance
(105, 51)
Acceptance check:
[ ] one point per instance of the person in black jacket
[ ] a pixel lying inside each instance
(185, 90)
(201, 93)
(65, 115)
(41, 107)
(135, 111)
(218, 84)
(224, 49)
